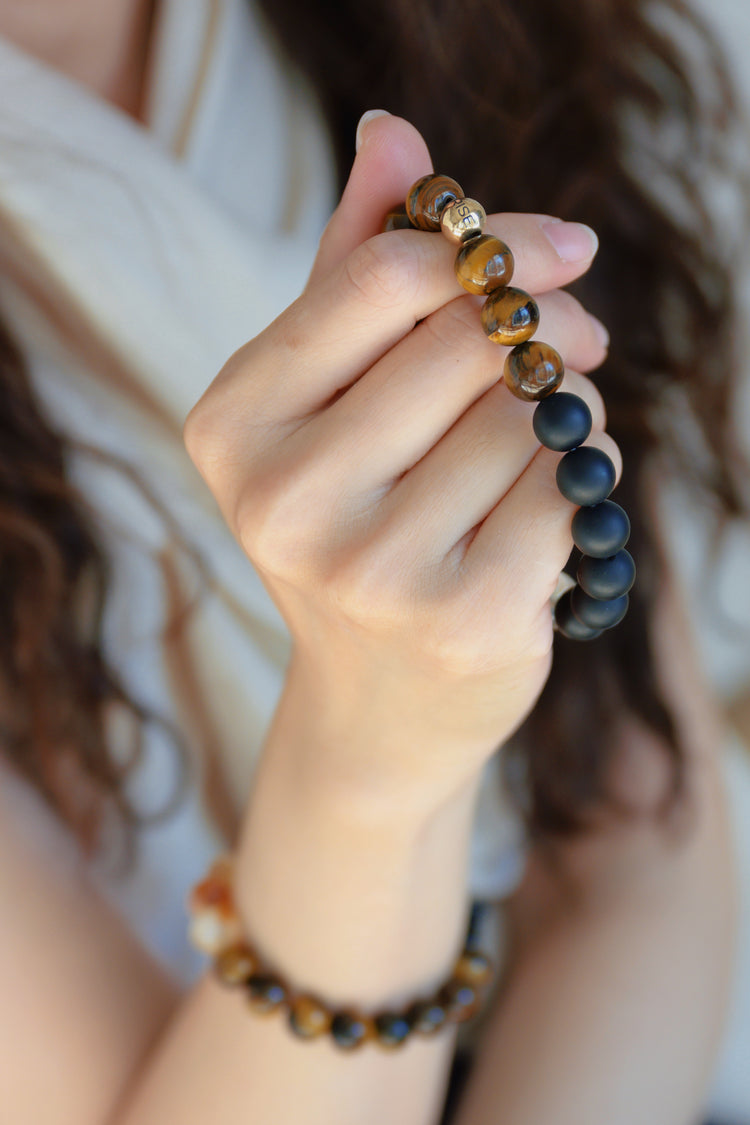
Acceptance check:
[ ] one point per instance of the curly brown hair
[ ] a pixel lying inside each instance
(602, 112)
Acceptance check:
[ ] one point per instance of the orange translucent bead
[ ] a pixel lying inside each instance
(483, 264)
(309, 1018)
(236, 964)
(427, 198)
(510, 316)
(533, 371)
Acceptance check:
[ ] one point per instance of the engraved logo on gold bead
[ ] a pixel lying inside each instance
(463, 219)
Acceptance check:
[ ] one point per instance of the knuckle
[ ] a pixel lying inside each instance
(275, 523)
(364, 593)
(383, 272)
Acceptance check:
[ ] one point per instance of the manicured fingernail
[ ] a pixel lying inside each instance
(600, 331)
(574, 242)
(370, 115)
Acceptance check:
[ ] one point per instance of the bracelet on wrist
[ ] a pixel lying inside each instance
(215, 929)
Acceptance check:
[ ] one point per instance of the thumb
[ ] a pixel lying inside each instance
(391, 155)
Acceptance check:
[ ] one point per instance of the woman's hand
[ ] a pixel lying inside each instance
(389, 489)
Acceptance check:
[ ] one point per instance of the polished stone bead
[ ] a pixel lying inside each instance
(510, 316)
(462, 219)
(236, 965)
(483, 264)
(392, 1029)
(533, 371)
(308, 1018)
(427, 197)
(461, 1000)
(568, 624)
(427, 1016)
(350, 1030)
(608, 577)
(562, 421)
(265, 993)
(586, 475)
(595, 612)
(601, 530)
(473, 968)
(397, 219)
(212, 930)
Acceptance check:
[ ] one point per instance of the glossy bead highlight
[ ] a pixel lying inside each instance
(484, 264)
(510, 316)
(533, 371)
(462, 220)
(427, 197)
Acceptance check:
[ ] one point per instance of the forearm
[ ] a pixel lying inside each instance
(613, 1009)
(361, 910)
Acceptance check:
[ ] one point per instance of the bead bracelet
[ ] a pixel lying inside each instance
(533, 372)
(215, 929)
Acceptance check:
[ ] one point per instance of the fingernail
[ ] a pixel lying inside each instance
(574, 242)
(370, 115)
(600, 331)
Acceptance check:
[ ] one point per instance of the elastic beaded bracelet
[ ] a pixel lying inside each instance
(533, 372)
(215, 929)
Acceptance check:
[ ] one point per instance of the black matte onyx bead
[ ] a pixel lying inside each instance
(608, 577)
(586, 475)
(562, 421)
(598, 613)
(392, 1029)
(601, 530)
(426, 1017)
(265, 993)
(350, 1031)
(569, 625)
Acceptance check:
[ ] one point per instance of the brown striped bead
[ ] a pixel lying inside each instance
(265, 993)
(461, 1000)
(235, 965)
(427, 198)
(397, 219)
(427, 1016)
(533, 370)
(473, 968)
(510, 316)
(350, 1030)
(484, 264)
(308, 1017)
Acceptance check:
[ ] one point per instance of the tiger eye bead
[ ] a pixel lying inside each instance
(510, 316)
(308, 1018)
(236, 965)
(461, 1001)
(427, 198)
(397, 219)
(483, 264)
(350, 1030)
(473, 968)
(427, 1017)
(265, 993)
(533, 371)
(463, 219)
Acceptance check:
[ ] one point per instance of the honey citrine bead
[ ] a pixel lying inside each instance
(483, 264)
(510, 316)
(308, 1018)
(533, 371)
(427, 198)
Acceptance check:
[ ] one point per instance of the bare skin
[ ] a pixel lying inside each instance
(388, 873)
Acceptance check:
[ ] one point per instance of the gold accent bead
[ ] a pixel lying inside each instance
(427, 197)
(533, 371)
(236, 964)
(510, 316)
(462, 220)
(483, 264)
